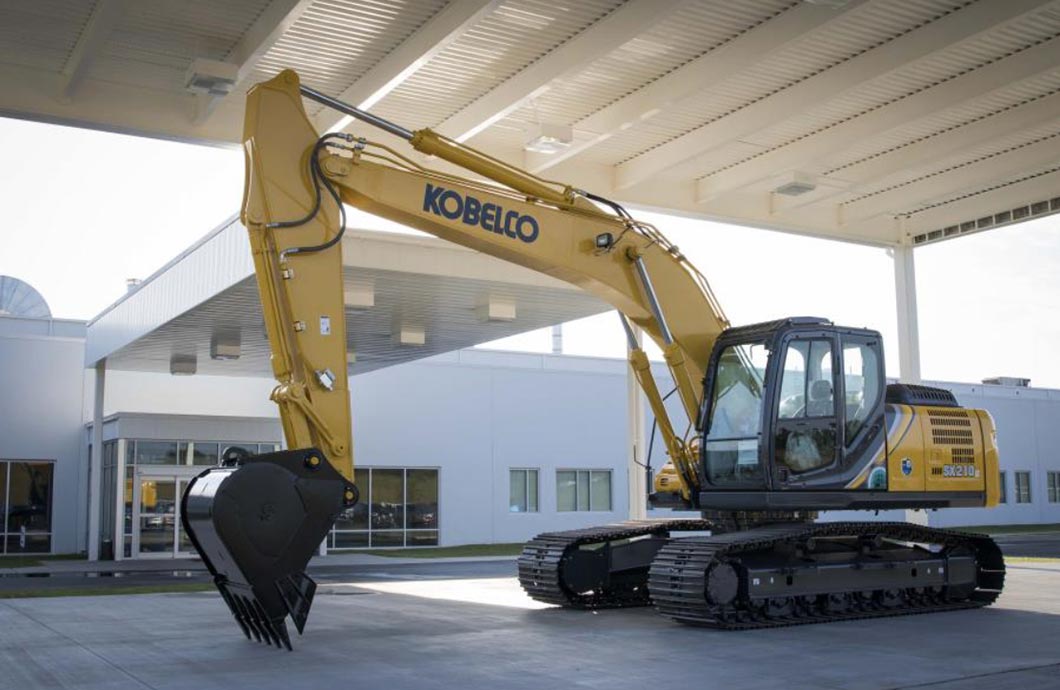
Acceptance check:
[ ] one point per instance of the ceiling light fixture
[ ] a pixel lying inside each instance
(545, 137)
(834, 4)
(796, 185)
(211, 77)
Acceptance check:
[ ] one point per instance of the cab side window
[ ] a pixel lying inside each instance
(805, 432)
(806, 383)
(793, 381)
(861, 378)
(819, 394)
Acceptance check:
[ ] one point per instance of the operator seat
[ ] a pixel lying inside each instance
(821, 403)
(800, 447)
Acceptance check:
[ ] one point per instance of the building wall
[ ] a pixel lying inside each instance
(153, 393)
(41, 374)
(478, 414)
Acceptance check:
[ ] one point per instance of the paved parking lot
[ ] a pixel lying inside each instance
(467, 625)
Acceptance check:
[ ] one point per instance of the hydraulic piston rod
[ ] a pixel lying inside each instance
(352, 111)
(431, 143)
(653, 300)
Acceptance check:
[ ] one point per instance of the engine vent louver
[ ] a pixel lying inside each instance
(952, 428)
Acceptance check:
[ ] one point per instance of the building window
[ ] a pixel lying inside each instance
(583, 490)
(26, 506)
(201, 453)
(1003, 488)
(1053, 479)
(1023, 487)
(398, 507)
(157, 453)
(522, 491)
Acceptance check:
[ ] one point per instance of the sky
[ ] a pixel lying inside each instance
(86, 210)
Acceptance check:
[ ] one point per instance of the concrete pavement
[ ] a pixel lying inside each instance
(467, 625)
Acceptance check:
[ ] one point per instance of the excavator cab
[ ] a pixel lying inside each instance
(790, 406)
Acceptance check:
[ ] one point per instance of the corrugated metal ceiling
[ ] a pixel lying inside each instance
(694, 30)
(915, 78)
(973, 156)
(334, 43)
(154, 42)
(506, 41)
(865, 27)
(42, 34)
(1016, 95)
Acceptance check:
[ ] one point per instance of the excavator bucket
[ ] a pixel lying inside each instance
(256, 520)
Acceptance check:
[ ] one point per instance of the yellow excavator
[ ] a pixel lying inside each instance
(786, 418)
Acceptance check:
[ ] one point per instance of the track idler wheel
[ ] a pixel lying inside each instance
(256, 521)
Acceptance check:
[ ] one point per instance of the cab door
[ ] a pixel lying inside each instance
(805, 439)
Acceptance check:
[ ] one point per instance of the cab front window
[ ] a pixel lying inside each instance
(731, 444)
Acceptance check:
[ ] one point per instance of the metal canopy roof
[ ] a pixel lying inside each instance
(879, 121)
(428, 288)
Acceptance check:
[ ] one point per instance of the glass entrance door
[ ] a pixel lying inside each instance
(157, 521)
(157, 531)
(184, 547)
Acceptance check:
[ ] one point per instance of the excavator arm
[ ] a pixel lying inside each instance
(243, 518)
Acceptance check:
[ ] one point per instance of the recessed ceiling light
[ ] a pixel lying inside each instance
(796, 184)
(211, 77)
(834, 4)
(544, 137)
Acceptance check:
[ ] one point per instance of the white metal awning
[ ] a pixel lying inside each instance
(406, 298)
(878, 121)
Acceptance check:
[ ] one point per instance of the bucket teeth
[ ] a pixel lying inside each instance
(297, 590)
(260, 621)
(234, 608)
(284, 637)
(270, 625)
(254, 620)
(246, 611)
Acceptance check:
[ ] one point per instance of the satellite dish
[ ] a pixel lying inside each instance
(18, 298)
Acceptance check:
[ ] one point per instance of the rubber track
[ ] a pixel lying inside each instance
(677, 579)
(541, 563)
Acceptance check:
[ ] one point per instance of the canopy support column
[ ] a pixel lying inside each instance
(908, 334)
(95, 474)
(908, 328)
